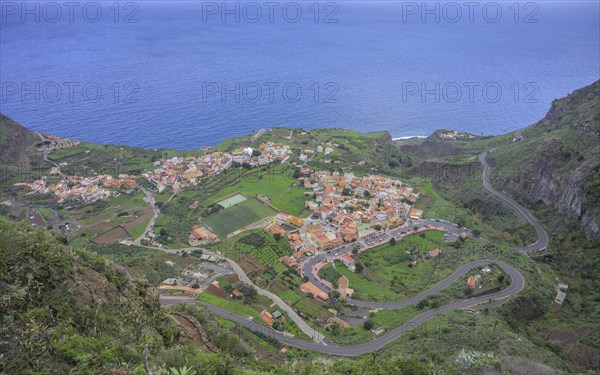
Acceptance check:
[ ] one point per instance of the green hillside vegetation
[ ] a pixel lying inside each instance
(555, 158)
(68, 310)
(17, 144)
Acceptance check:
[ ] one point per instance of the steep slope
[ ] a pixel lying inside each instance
(557, 161)
(15, 143)
(68, 310)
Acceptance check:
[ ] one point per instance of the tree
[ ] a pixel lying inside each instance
(334, 294)
(346, 191)
(355, 251)
(393, 241)
(377, 227)
(256, 152)
(335, 329)
(367, 194)
(359, 267)
(368, 324)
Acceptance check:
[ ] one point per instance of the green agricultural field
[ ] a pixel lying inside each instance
(386, 319)
(238, 216)
(387, 275)
(266, 256)
(231, 305)
(277, 183)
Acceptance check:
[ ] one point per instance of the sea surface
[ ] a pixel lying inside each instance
(189, 74)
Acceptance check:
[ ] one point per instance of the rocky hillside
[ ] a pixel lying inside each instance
(16, 143)
(69, 311)
(557, 160)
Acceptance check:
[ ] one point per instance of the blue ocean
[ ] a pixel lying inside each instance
(189, 74)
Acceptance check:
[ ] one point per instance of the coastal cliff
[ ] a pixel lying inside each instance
(557, 160)
(16, 143)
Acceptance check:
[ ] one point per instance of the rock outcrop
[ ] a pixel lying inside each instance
(561, 156)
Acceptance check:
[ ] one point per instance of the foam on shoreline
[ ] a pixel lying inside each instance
(409, 137)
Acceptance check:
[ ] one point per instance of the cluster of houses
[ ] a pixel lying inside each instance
(179, 172)
(343, 288)
(288, 226)
(307, 153)
(83, 189)
(54, 142)
(271, 318)
(456, 135)
(474, 282)
(347, 208)
(199, 234)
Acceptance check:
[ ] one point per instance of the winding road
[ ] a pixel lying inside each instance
(308, 266)
(542, 241)
(517, 284)
(322, 346)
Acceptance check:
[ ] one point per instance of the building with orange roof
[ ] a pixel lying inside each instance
(267, 317)
(471, 282)
(311, 288)
(321, 239)
(343, 288)
(275, 229)
(201, 234)
(287, 261)
(347, 230)
(415, 214)
(337, 240)
(300, 253)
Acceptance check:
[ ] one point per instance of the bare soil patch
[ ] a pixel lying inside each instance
(113, 235)
(189, 333)
(249, 264)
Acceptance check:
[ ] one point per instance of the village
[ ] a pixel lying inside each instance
(346, 208)
(176, 172)
(83, 189)
(181, 172)
(347, 214)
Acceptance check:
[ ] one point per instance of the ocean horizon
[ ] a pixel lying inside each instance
(184, 75)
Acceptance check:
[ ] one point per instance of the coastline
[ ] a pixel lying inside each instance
(408, 137)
